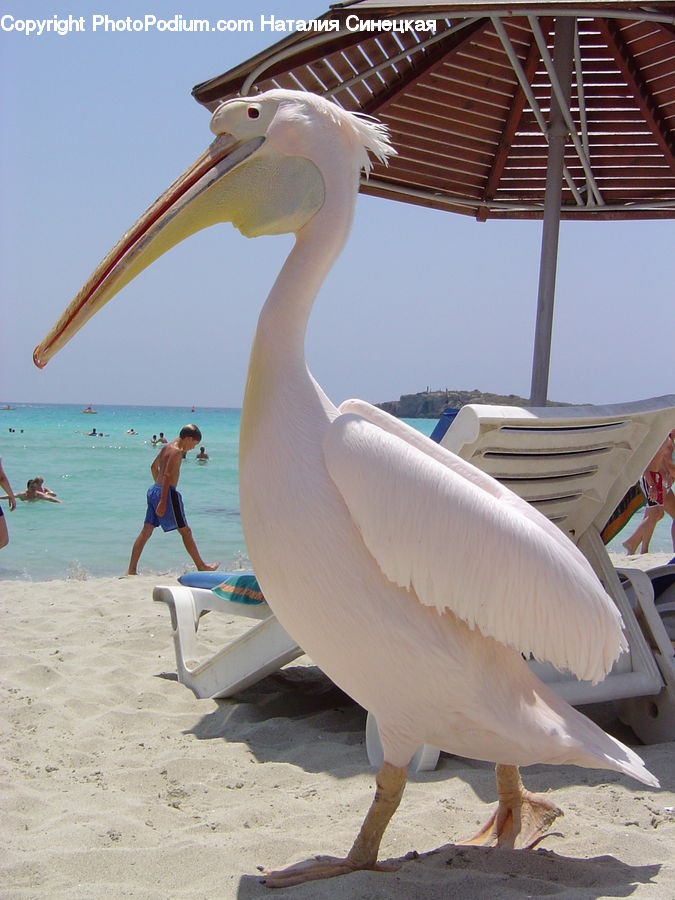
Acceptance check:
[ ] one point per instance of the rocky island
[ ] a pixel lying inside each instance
(430, 404)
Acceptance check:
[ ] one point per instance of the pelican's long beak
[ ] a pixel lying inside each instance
(197, 199)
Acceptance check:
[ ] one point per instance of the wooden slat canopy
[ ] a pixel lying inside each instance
(468, 105)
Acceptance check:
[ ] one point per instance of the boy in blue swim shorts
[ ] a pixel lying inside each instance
(165, 504)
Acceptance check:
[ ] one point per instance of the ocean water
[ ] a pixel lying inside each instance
(102, 482)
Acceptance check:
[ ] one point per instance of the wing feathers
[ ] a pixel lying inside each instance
(468, 471)
(460, 544)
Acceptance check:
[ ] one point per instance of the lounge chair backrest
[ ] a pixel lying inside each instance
(574, 463)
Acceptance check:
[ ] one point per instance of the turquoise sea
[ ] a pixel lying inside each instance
(102, 482)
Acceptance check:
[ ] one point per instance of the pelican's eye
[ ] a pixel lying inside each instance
(253, 112)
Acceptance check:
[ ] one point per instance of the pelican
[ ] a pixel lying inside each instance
(416, 582)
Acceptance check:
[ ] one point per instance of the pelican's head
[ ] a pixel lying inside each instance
(268, 171)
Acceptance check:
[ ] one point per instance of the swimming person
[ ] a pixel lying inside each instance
(34, 492)
(4, 482)
(202, 456)
(165, 504)
(41, 486)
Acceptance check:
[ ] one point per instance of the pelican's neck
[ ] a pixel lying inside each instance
(277, 368)
(282, 324)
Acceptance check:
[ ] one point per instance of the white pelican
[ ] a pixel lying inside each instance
(415, 581)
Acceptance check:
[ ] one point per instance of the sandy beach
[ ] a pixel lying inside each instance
(117, 782)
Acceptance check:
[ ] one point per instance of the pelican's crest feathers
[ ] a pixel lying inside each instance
(365, 133)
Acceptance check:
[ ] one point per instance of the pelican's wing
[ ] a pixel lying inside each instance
(442, 529)
(466, 470)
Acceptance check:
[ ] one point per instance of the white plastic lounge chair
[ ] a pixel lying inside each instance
(575, 464)
(258, 652)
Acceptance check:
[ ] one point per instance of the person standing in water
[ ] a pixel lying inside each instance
(165, 504)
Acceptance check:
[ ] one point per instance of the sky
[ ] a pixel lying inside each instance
(95, 125)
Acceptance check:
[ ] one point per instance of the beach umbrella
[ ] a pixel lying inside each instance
(515, 109)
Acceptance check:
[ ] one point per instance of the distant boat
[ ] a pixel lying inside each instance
(90, 411)
(6, 406)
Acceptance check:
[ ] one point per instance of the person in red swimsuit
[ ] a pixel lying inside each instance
(656, 484)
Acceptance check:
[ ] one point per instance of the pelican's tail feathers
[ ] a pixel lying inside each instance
(586, 744)
(616, 756)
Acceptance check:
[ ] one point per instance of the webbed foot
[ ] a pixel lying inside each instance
(320, 867)
(363, 855)
(521, 819)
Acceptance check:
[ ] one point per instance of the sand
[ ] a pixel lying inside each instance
(117, 782)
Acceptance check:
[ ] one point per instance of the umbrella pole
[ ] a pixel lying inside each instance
(557, 137)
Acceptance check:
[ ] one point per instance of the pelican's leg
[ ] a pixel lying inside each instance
(363, 855)
(521, 818)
